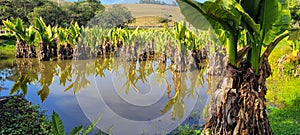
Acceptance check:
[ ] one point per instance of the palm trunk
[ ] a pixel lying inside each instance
(62, 54)
(131, 54)
(32, 52)
(99, 50)
(238, 105)
(162, 58)
(180, 62)
(119, 48)
(53, 50)
(70, 51)
(21, 50)
(44, 52)
(18, 50)
(143, 55)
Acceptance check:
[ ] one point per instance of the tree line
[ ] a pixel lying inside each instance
(61, 14)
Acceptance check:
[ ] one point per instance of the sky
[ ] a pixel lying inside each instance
(128, 1)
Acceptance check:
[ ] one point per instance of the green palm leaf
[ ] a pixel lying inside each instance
(76, 130)
(9, 25)
(90, 127)
(57, 125)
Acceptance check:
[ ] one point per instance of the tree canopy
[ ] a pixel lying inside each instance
(18, 9)
(83, 11)
(61, 14)
(295, 12)
(115, 16)
(51, 13)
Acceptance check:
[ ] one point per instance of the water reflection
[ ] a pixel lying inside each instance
(138, 91)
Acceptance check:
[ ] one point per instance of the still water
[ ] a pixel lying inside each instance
(131, 97)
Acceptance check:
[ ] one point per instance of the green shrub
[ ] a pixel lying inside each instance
(18, 116)
(7, 37)
(7, 40)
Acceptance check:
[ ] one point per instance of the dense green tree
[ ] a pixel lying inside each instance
(115, 16)
(5, 10)
(51, 13)
(10, 9)
(295, 11)
(294, 6)
(83, 11)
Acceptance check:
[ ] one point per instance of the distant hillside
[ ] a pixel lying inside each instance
(139, 10)
(150, 14)
(124, 1)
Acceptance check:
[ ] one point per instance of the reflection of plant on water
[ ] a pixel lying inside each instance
(24, 74)
(75, 75)
(5, 73)
(185, 86)
(134, 59)
(136, 72)
(80, 71)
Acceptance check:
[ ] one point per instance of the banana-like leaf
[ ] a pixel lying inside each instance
(275, 19)
(19, 26)
(169, 105)
(40, 25)
(209, 14)
(90, 127)
(9, 25)
(246, 18)
(76, 130)
(57, 125)
(62, 36)
(24, 88)
(30, 36)
(179, 109)
(21, 84)
(252, 7)
(44, 92)
(15, 88)
(69, 87)
(222, 11)
(45, 33)
(194, 14)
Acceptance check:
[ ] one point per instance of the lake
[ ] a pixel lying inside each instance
(131, 97)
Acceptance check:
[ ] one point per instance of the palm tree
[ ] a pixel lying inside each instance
(25, 38)
(186, 43)
(47, 36)
(73, 35)
(239, 105)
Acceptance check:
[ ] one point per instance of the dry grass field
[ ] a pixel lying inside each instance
(150, 14)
